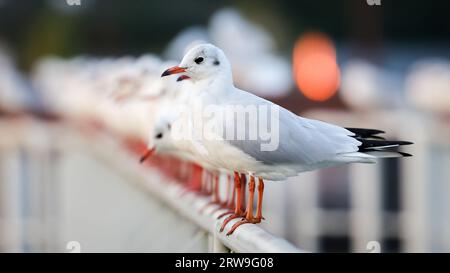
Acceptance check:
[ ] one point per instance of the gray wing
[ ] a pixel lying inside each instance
(300, 141)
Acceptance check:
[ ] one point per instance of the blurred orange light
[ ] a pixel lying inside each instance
(315, 69)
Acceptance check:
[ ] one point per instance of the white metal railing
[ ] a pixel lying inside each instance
(424, 185)
(30, 138)
(248, 238)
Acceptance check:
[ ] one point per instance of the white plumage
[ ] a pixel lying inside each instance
(304, 144)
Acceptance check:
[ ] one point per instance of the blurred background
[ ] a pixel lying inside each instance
(67, 140)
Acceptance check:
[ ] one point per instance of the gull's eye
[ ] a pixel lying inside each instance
(198, 60)
(158, 136)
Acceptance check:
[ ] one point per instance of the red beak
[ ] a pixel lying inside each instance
(147, 154)
(182, 77)
(173, 70)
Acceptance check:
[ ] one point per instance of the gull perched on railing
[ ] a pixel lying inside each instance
(295, 145)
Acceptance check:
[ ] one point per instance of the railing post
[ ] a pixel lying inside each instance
(217, 246)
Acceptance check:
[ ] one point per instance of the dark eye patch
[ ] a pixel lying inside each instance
(216, 62)
(158, 136)
(198, 60)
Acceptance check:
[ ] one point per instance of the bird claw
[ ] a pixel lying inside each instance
(243, 221)
(225, 213)
(228, 219)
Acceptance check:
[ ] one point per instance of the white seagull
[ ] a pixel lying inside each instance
(161, 140)
(303, 144)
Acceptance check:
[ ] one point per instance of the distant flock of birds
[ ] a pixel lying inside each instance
(137, 99)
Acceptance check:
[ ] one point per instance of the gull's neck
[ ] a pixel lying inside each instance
(216, 85)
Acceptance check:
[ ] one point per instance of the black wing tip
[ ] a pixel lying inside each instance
(377, 137)
(361, 138)
(370, 141)
(376, 143)
(365, 131)
(405, 154)
(370, 137)
(406, 143)
(368, 145)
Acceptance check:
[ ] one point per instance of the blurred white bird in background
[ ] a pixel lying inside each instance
(257, 65)
(365, 86)
(428, 85)
(186, 39)
(120, 96)
(15, 93)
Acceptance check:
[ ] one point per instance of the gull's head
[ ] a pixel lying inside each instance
(160, 139)
(201, 62)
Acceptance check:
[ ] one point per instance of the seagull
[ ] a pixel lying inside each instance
(303, 144)
(161, 141)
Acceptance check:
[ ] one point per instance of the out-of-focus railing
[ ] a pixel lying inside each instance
(248, 238)
(40, 227)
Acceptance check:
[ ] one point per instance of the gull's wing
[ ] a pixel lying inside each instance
(301, 141)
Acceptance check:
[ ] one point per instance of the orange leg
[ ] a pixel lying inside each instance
(208, 183)
(231, 202)
(238, 212)
(233, 196)
(251, 196)
(202, 182)
(215, 194)
(260, 199)
(249, 219)
(229, 199)
(195, 181)
(184, 172)
(197, 177)
(227, 202)
(244, 184)
(227, 194)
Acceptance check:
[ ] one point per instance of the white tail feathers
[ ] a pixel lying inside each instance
(369, 157)
(356, 157)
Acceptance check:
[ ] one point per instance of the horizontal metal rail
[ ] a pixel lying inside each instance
(247, 238)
